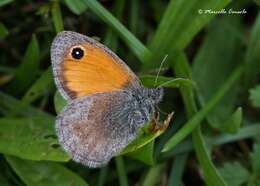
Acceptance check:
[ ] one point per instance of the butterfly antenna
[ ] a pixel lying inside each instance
(160, 68)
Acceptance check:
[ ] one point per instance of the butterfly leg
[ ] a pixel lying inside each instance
(157, 125)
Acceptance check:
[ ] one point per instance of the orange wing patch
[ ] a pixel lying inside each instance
(96, 71)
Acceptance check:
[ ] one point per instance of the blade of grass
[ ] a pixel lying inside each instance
(200, 115)
(134, 16)
(5, 2)
(102, 175)
(9, 103)
(76, 6)
(177, 170)
(3, 31)
(57, 16)
(111, 39)
(121, 171)
(153, 175)
(132, 42)
(212, 176)
(244, 133)
(180, 23)
(212, 60)
(41, 86)
(252, 58)
(30, 63)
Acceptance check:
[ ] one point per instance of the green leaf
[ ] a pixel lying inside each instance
(180, 23)
(252, 64)
(121, 171)
(255, 159)
(30, 138)
(59, 102)
(3, 31)
(76, 6)
(57, 17)
(9, 103)
(5, 2)
(211, 67)
(234, 174)
(30, 64)
(146, 136)
(144, 154)
(43, 173)
(232, 123)
(131, 41)
(41, 86)
(255, 96)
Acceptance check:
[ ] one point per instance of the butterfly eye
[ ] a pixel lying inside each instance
(77, 53)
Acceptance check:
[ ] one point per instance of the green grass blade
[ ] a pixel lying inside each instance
(252, 55)
(121, 171)
(177, 169)
(223, 60)
(153, 175)
(41, 87)
(9, 103)
(76, 6)
(199, 116)
(244, 133)
(57, 17)
(5, 2)
(43, 173)
(134, 16)
(102, 176)
(132, 42)
(30, 64)
(3, 31)
(180, 23)
(212, 177)
(111, 40)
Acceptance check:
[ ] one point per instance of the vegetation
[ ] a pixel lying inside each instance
(212, 73)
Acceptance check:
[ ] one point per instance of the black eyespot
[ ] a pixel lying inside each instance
(77, 53)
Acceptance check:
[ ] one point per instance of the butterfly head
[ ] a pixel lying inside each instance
(151, 96)
(155, 95)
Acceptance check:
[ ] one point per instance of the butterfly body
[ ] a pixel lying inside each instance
(102, 116)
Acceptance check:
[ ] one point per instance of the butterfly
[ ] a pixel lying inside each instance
(107, 103)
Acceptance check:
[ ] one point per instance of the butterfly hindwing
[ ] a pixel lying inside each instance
(91, 132)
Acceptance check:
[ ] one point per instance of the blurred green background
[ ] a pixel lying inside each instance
(212, 70)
